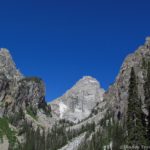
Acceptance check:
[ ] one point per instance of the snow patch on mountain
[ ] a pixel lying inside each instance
(62, 109)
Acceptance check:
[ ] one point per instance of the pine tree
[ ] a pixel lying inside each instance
(147, 98)
(135, 129)
(144, 63)
(117, 136)
(37, 139)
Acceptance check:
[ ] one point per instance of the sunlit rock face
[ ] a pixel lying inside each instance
(117, 94)
(77, 103)
(9, 77)
(7, 65)
(16, 91)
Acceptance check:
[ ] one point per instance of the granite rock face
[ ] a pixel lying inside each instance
(77, 103)
(117, 94)
(22, 102)
(7, 66)
(9, 76)
(16, 91)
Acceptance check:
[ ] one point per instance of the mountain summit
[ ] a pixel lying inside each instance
(7, 65)
(77, 103)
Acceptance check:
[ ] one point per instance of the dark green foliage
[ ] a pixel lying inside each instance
(144, 63)
(17, 116)
(35, 79)
(56, 138)
(118, 136)
(5, 130)
(32, 112)
(135, 129)
(94, 111)
(89, 127)
(46, 108)
(111, 132)
(34, 139)
(66, 122)
(148, 125)
(147, 99)
(147, 86)
(59, 137)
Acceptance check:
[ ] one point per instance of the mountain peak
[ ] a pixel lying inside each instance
(87, 81)
(147, 40)
(77, 103)
(5, 55)
(7, 65)
(88, 78)
(5, 52)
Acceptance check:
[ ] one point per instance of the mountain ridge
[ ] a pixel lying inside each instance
(85, 117)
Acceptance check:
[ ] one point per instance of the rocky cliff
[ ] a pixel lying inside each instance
(117, 94)
(7, 66)
(78, 102)
(16, 91)
(22, 99)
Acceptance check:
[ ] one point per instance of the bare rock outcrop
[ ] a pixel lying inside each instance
(77, 103)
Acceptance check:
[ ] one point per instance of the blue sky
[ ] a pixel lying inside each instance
(61, 41)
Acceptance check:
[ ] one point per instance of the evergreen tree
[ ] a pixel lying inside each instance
(117, 136)
(135, 129)
(144, 63)
(34, 139)
(147, 99)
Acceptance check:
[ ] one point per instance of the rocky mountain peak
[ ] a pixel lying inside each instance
(87, 80)
(147, 41)
(77, 103)
(7, 65)
(5, 52)
(86, 85)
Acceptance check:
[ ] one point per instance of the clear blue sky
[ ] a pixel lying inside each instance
(61, 41)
